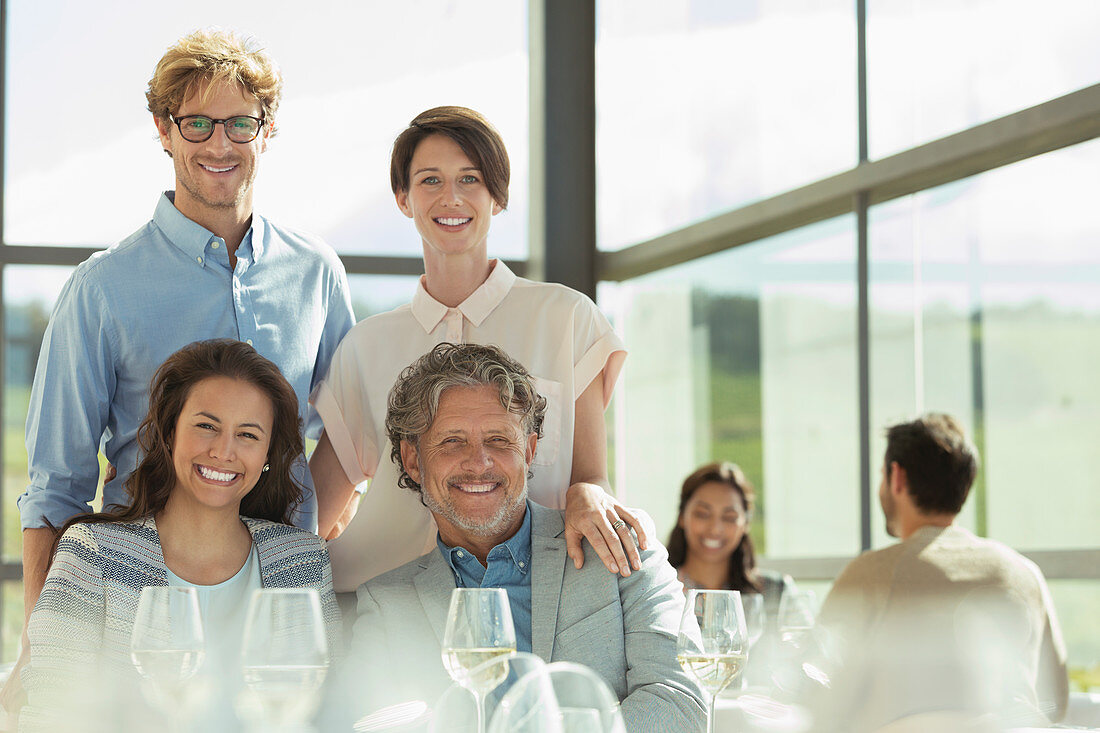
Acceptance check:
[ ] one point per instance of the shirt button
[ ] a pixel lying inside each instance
(214, 245)
(249, 342)
(199, 259)
(460, 553)
(522, 565)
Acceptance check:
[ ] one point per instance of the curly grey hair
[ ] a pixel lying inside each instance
(414, 399)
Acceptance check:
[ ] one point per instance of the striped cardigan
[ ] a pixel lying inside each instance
(82, 622)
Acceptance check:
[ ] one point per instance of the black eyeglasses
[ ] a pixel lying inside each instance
(198, 128)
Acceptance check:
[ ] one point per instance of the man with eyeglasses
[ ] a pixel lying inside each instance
(204, 267)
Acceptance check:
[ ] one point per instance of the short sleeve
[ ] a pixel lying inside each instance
(598, 350)
(343, 402)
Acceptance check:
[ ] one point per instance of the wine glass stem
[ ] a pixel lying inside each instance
(710, 714)
(479, 700)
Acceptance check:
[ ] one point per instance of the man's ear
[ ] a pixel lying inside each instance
(410, 460)
(164, 131)
(532, 444)
(899, 479)
(268, 131)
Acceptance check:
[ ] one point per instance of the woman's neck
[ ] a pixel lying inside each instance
(451, 280)
(709, 575)
(202, 546)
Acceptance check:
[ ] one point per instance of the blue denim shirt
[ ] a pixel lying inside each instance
(509, 567)
(125, 310)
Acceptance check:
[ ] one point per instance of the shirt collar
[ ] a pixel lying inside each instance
(518, 546)
(193, 239)
(476, 308)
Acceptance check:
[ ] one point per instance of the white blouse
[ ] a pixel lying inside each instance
(558, 334)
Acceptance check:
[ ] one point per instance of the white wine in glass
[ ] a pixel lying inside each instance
(468, 667)
(713, 642)
(167, 645)
(714, 672)
(284, 657)
(479, 630)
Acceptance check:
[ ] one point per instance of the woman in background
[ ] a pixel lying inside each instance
(709, 546)
(210, 505)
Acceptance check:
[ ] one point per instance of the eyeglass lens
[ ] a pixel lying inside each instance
(238, 129)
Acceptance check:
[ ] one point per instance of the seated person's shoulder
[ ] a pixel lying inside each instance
(266, 531)
(654, 558)
(111, 534)
(395, 582)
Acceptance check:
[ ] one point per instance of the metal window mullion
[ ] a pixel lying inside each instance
(863, 317)
(3, 311)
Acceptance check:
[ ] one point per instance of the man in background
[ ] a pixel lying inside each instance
(943, 620)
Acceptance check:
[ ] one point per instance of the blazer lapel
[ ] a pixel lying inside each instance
(434, 584)
(548, 560)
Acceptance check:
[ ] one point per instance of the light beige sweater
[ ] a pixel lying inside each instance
(946, 620)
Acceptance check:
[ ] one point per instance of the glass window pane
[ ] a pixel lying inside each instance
(705, 105)
(936, 67)
(349, 91)
(756, 348)
(373, 294)
(985, 309)
(1077, 602)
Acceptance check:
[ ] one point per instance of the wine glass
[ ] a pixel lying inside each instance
(713, 641)
(479, 629)
(796, 617)
(166, 644)
(753, 604)
(284, 657)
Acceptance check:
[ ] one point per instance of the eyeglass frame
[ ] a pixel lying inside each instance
(213, 125)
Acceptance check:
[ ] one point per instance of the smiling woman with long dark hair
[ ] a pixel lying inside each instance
(209, 505)
(710, 546)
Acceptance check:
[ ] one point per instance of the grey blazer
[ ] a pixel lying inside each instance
(623, 628)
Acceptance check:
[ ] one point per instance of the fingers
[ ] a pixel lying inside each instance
(621, 523)
(573, 547)
(605, 541)
(602, 538)
(636, 524)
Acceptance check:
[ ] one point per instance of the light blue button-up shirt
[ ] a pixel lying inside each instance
(509, 567)
(125, 310)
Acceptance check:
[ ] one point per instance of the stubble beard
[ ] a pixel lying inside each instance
(505, 515)
(231, 199)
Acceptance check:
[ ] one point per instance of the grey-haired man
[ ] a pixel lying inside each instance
(464, 422)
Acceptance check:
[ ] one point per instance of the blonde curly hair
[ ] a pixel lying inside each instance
(214, 55)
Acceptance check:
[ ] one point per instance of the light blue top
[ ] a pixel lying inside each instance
(509, 567)
(224, 608)
(126, 309)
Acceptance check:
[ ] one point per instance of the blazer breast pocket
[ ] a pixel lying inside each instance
(550, 442)
(606, 623)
